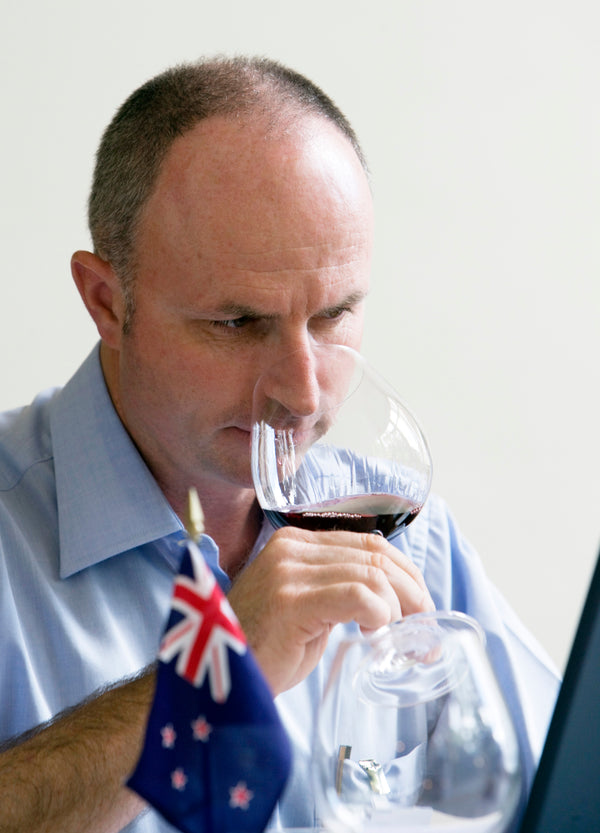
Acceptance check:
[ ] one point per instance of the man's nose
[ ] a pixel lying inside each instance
(292, 382)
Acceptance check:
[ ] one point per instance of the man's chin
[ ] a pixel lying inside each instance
(235, 462)
(223, 478)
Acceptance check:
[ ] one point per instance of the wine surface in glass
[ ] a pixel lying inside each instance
(388, 514)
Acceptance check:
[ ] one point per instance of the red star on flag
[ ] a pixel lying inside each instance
(168, 735)
(178, 779)
(201, 728)
(240, 796)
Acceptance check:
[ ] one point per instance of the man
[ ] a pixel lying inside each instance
(232, 225)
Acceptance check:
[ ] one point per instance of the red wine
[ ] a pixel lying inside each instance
(387, 514)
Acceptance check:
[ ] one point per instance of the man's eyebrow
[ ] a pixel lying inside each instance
(233, 309)
(351, 300)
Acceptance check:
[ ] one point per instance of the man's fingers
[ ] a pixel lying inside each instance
(344, 550)
(363, 593)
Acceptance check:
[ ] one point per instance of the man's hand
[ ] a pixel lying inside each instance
(303, 583)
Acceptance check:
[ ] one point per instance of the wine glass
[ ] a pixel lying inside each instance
(333, 447)
(413, 733)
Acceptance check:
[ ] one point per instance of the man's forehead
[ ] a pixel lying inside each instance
(223, 209)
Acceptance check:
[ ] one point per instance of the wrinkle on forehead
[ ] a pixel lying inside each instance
(298, 258)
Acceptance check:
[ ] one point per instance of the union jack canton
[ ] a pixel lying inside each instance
(216, 756)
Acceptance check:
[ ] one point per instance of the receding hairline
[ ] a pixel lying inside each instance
(135, 144)
(258, 129)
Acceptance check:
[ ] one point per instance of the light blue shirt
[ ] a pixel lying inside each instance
(89, 548)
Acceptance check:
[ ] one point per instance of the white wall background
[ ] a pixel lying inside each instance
(481, 121)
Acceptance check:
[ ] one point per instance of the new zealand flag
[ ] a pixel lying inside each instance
(216, 756)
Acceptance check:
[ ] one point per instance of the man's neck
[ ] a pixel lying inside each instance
(235, 532)
(232, 519)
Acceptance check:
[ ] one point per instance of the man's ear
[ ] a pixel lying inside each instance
(101, 293)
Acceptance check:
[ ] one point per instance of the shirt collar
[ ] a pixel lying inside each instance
(108, 501)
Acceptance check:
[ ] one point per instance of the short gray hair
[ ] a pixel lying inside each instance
(167, 106)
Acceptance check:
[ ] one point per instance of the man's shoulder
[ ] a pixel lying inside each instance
(434, 540)
(25, 439)
(431, 525)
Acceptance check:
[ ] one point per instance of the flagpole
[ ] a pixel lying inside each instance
(194, 520)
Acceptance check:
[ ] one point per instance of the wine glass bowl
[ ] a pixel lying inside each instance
(334, 447)
(413, 733)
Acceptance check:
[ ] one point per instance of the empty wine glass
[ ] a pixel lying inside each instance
(413, 733)
(333, 447)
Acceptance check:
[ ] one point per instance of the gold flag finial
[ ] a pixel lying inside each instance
(194, 523)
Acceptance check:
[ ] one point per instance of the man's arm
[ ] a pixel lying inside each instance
(68, 776)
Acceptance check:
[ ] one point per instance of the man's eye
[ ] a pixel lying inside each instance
(335, 314)
(232, 323)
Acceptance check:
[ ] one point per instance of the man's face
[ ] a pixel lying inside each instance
(250, 247)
